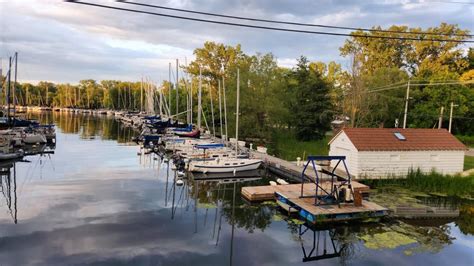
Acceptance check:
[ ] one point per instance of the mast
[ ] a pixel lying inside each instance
(14, 84)
(225, 109)
(237, 115)
(161, 103)
(141, 95)
(220, 104)
(9, 87)
(169, 88)
(177, 89)
(199, 100)
(212, 110)
(191, 102)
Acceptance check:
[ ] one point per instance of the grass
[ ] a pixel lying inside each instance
(461, 186)
(467, 140)
(285, 145)
(468, 162)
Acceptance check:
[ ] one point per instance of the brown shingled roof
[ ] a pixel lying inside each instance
(383, 139)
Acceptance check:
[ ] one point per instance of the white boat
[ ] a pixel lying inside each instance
(33, 138)
(230, 165)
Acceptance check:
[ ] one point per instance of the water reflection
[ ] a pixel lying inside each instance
(87, 126)
(9, 187)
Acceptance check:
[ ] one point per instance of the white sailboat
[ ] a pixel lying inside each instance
(224, 165)
(227, 165)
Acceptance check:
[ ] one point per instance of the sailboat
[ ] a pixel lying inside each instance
(226, 165)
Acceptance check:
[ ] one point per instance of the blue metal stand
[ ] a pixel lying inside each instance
(332, 196)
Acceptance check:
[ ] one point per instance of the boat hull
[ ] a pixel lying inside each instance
(201, 167)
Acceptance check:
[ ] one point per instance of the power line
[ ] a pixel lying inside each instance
(289, 22)
(265, 27)
(394, 86)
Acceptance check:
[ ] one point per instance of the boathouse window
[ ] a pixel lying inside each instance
(434, 157)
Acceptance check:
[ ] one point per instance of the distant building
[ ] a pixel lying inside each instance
(383, 152)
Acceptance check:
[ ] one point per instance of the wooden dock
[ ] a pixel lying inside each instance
(288, 197)
(291, 170)
(262, 193)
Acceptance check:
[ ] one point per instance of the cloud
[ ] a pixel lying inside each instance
(65, 42)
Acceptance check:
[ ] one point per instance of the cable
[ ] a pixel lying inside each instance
(288, 22)
(265, 27)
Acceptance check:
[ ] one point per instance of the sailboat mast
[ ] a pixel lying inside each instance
(199, 100)
(14, 84)
(141, 95)
(220, 104)
(9, 87)
(160, 103)
(225, 109)
(169, 89)
(212, 109)
(177, 88)
(191, 102)
(237, 115)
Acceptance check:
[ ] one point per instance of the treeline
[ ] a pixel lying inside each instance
(369, 93)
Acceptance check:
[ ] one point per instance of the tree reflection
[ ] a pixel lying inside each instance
(87, 126)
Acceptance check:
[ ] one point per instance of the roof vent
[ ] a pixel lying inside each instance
(399, 136)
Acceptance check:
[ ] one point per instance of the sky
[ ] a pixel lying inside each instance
(64, 42)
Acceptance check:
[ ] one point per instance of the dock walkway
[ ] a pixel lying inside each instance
(290, 169)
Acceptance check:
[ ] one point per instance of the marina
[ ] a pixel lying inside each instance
(206, 213)
(236, 133)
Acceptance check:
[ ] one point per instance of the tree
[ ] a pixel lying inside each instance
(313, 110)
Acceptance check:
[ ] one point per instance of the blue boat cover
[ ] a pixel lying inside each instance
(210, 146)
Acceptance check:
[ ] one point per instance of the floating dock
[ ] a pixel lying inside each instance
(289, 198)
(262, 193)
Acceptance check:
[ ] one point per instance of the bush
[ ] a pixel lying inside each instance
(432, 183)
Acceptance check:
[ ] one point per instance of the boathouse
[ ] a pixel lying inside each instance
(389, 152)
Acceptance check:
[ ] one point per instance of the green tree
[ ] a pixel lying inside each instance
(313, 109)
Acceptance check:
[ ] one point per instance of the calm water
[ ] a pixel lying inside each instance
(96, 202)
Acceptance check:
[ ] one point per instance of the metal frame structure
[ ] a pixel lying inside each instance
(331, 197)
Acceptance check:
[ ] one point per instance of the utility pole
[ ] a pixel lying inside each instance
(177, 89)
(451, 115)
(406, 106)
(440, 122)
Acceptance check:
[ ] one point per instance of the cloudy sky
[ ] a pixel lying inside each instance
(66, 42)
